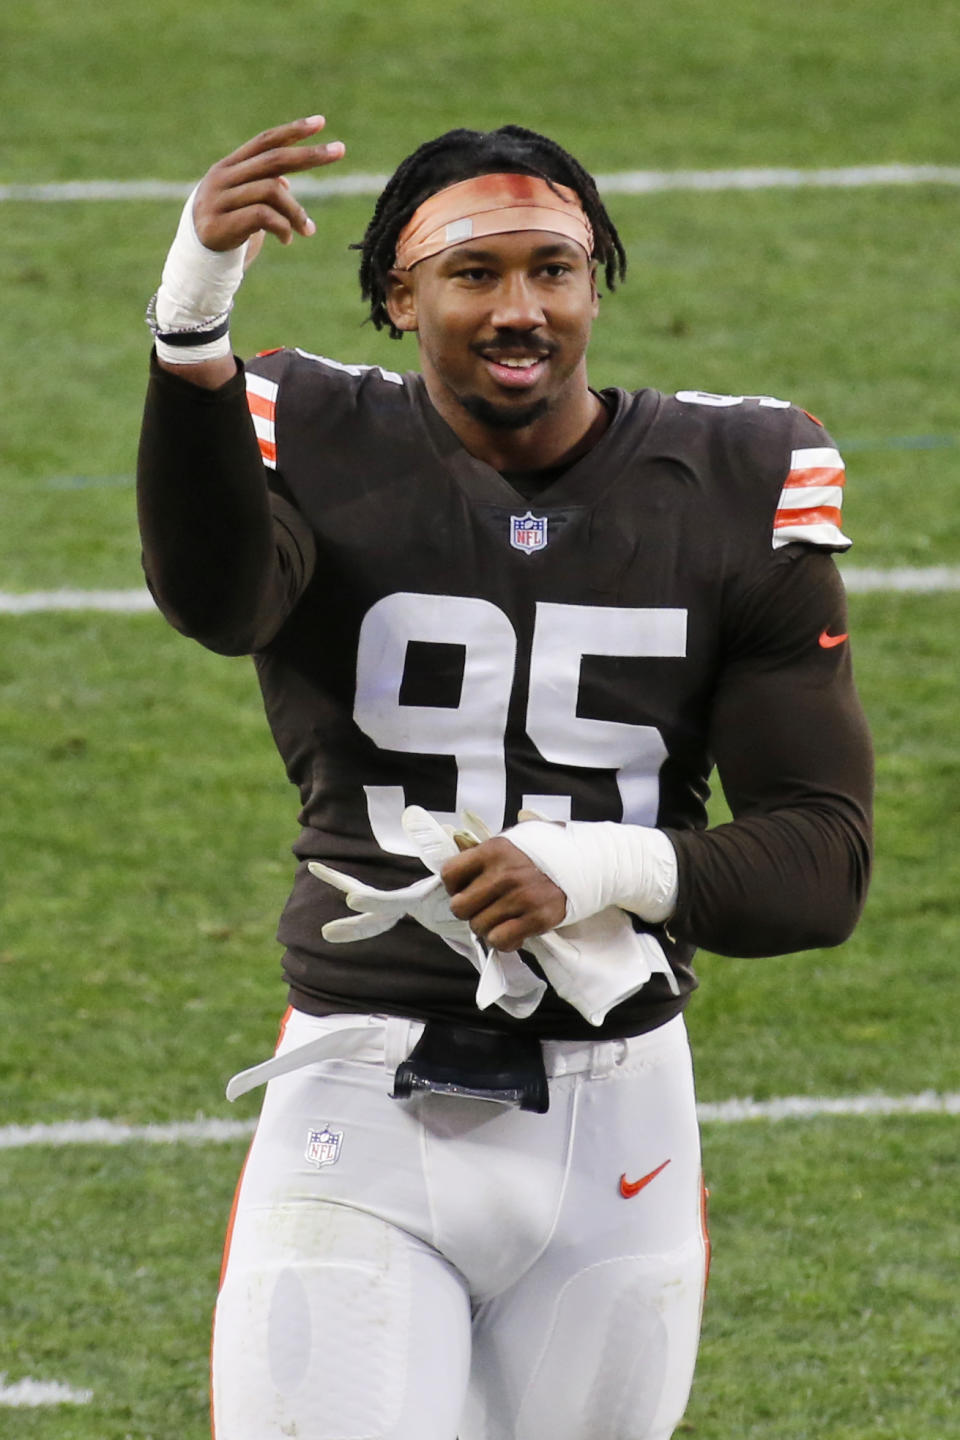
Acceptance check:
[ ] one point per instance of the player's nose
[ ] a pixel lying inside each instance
(517, 305)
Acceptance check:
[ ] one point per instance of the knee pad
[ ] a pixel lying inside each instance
(312, 1328)
(619, 1355)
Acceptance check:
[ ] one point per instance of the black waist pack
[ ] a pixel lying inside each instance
(479, 1064)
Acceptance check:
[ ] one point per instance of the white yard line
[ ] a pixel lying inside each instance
(808, 1107)
(31, 602)
(721, 1112)
(623, 182)
(28, 1394)
(111, 1132)
(907, 580)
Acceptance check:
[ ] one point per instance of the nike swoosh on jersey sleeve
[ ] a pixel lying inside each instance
(262, 400)
(811, 500)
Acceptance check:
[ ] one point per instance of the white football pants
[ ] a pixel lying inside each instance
(443, 1267)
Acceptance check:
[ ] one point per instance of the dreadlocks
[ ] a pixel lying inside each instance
(460, 155)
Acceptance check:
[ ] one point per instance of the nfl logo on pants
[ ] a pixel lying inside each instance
(528, 532)
(323, 1146)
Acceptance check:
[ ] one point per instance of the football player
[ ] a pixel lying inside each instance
(505, 624)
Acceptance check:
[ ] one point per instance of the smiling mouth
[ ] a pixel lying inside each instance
(515, 372)
(515, 356)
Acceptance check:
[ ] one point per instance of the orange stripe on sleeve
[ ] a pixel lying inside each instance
(826, 515)
(816, 475)
(260, 405)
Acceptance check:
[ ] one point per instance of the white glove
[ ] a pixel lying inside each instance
(594, 964)
(598, 963)
(504, 978)
(600, 863)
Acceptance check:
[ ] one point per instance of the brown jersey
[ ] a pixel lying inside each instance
(423, 634)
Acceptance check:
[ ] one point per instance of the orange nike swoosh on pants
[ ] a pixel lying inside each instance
(629, 1188)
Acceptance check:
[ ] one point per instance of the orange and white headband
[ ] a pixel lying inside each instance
(491, 205)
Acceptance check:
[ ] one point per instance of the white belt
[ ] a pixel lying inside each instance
(336, 1044)
(389, 1039)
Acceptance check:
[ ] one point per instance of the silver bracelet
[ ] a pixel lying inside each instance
(187, 335)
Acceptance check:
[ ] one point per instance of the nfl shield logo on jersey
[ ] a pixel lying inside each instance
(528, 532)
(323, 1146)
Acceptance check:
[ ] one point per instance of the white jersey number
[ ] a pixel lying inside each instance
(473, 732)
(723, 402)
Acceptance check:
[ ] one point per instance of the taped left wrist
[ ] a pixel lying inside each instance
(601, 863)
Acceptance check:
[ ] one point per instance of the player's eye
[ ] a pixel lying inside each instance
(556, 270)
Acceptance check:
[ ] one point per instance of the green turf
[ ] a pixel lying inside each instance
(111, 90)
(117, 1298)
(145, 821)
(830, 1310)
(833, 1282)
(145, 873)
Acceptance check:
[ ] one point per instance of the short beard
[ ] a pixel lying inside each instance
(497, 417)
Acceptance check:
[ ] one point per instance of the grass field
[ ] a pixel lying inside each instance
(145, 820)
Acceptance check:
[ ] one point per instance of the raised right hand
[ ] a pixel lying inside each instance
(246, 192)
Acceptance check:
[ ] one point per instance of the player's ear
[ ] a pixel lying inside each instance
(401, 300)
(594, 292)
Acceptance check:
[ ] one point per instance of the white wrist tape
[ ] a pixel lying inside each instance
(189, 314)
(601, 863)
